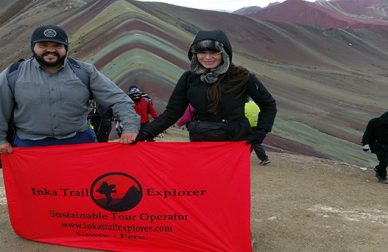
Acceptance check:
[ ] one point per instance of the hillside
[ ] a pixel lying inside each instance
(351, 14)
(376, 9)
(327, 82)
(299, 203)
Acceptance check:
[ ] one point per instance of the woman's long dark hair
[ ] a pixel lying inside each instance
(236, 78)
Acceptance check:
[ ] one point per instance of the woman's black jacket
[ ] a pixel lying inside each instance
(191, 90)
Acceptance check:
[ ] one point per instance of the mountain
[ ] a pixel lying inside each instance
(359, 8)
(328, 14)
(327, 82)
(251, 9)
(247, 10)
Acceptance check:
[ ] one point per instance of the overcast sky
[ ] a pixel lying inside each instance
(228, 5)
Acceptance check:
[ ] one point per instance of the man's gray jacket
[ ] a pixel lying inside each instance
(57, 104)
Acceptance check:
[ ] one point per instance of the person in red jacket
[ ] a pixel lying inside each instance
(143, 105)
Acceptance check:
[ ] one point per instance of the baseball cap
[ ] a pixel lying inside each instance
(49, 33)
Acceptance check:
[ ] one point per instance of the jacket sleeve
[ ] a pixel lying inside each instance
(151, 110)
(262, 97)
(109, 95)
(174, 110)
(6, 106)
(367, 138)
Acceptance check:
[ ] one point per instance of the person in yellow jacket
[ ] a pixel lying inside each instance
(252, 113)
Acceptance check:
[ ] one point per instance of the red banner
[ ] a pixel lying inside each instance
(146, 197)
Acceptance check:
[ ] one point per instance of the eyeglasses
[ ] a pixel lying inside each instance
(210, 53)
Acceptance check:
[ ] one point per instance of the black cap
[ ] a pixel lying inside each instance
(134, 90)
(49, 33)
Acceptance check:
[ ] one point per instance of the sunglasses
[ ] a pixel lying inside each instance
(210, 53)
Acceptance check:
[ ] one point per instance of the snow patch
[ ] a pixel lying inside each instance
(272, 218)
(370, 215)
(3, 200)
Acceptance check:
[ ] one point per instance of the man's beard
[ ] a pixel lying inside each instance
(59, 62)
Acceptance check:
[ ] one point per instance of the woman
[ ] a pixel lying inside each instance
(217, 89)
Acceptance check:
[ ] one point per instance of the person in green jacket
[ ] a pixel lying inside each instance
(252, 113)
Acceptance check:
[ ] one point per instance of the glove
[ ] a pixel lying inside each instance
(256, 137)
(366, 148)
(144, 136)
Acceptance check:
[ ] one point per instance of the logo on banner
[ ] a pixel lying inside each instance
(116, 192)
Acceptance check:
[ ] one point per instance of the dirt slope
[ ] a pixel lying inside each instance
(302, 203)
(299, 203)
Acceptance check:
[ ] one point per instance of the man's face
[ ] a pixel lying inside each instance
(49, 53)
(136, 97)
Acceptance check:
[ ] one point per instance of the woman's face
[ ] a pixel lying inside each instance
(209, 59)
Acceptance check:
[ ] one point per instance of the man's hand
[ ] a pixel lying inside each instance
(5, 148)
(128, 138)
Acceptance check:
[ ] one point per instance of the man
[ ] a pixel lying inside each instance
(143, 105)
(375, 139)
(48, 103)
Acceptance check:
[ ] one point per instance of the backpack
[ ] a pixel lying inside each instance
(13, 73)
(252, 113)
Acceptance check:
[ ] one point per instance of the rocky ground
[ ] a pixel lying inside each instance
(299, 203)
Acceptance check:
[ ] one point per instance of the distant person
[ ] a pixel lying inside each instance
(216, 88)
(187, 116)
(375, 139)
(101, 119)
(252, 112)
(143, 105)
(47, 103)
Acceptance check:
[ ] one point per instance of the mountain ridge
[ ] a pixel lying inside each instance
(326, 14)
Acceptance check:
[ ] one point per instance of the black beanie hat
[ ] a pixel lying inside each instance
(49, 33)
(134, 90)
